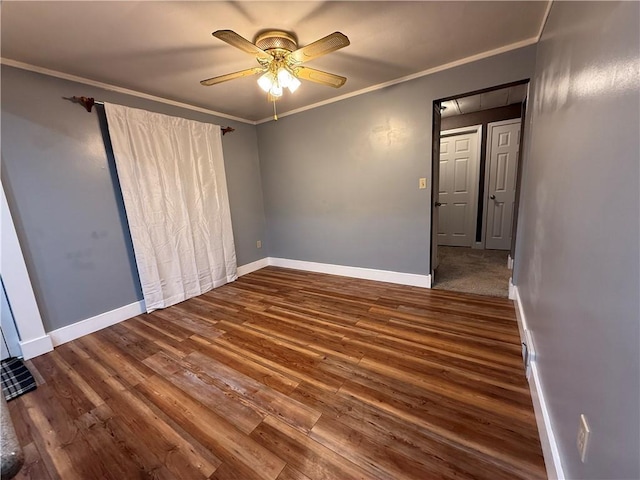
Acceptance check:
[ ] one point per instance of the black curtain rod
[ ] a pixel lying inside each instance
(89, 102)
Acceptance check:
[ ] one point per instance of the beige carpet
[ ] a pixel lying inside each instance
(467, 270)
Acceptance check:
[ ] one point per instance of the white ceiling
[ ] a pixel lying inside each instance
(484, 101)
(166, 48)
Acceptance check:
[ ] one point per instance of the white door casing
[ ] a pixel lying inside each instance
(34, 340)
(503, 144)
(457, 192)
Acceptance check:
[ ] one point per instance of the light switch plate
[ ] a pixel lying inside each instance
(422, 183)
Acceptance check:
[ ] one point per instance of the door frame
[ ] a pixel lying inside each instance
(487, 170)
(34, 340)
(476, 171)
(435, 144)
(436, 122)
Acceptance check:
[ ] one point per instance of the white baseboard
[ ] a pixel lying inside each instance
(37, 346)
(411, 279)
(253, 266)
(552, 458)
(93, 324)
(522, 320)
(512, 289)
(510, 262)
(85, 327)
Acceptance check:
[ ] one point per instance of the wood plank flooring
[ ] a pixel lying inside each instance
(289, 375)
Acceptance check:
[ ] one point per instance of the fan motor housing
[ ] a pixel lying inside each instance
(276, 40)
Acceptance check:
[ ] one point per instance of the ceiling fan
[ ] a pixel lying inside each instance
(280, 60)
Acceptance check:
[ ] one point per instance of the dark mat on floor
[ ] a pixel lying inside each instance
(16, 378)
(463, 269)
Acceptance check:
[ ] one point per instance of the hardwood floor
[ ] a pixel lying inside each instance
(289, 375)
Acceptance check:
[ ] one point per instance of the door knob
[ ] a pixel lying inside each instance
(437, 204)
(492, 197)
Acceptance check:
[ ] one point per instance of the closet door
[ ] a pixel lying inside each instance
(504, 144)
(458, 189)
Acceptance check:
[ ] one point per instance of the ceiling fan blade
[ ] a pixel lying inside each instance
(325, 45)
(235, 40)
(231, 76)
(318, 76)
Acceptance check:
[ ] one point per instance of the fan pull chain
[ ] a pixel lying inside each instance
(275, 115)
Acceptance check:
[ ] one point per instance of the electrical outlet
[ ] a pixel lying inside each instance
(259, 244)
(422, 183)
(583, 437)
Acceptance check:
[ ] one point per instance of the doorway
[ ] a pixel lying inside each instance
(476, 139)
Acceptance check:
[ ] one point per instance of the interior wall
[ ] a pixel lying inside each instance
(341, 181)
(484, 118)
(63, 194)
(577, 257)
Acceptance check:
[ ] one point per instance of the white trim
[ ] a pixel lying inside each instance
(35, 347)
(550, 450)
(552, 458)
(462, 130)
(510, 262)
(66, 334)
(93, 324)
(412, 279)
(18, 287)
(106, 319)
(253, 266)
(114, 88)
(413, 76)
(512, 290)
(544, 20)
(380, 86)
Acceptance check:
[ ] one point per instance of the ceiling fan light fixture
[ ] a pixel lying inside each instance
(287, 80)
(280, 60)
(294, 83)
(276, 90)
(284, 77)
(267, 81)
(275, 83)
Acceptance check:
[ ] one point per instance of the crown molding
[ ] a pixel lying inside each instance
(86, 81)
(380, 86)
(544, 19)
(413, 76)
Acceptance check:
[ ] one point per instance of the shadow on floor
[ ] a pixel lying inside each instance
(467, 270)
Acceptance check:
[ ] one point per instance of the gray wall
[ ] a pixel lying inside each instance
(577, 257)
(341, 181)
(63, 193)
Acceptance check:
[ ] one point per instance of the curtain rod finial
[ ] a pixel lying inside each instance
(227, 130)
(86, 102)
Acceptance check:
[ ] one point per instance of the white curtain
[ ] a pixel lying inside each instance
(171, 172)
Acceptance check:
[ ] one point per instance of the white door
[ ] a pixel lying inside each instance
(503, 142)
(457, 189)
